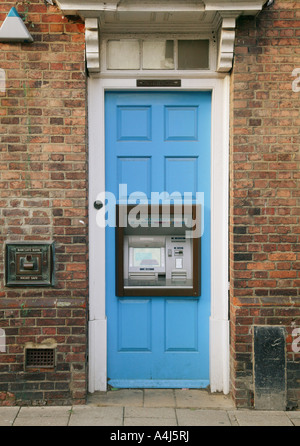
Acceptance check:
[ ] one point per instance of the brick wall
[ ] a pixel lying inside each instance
(43, 183)
(264, 190)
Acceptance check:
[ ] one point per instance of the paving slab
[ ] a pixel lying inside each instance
(43, 416)
(149, 416)
(148, 407)
(245, 417)
(8, 415)
(294, 417)
(159, 398)
(96, 416)
(120, 397)
(148, 422)
(201, 399)
(202, 417)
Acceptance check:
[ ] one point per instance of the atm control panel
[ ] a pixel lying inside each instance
(157, 259)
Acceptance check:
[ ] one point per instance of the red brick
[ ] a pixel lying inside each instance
(35, 190)
(273, 275)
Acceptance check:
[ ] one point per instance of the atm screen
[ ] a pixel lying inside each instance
(146, 257)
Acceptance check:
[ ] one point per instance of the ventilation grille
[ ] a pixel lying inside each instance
(40, 357)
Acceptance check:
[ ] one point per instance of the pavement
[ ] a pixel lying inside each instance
(148, 407)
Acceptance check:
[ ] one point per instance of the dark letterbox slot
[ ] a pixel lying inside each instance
(29, 264)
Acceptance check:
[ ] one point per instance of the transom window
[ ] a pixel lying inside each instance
(158, 54)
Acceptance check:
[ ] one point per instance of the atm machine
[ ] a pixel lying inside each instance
(158, 254)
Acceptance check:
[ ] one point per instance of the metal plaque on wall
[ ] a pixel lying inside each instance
(29, 264)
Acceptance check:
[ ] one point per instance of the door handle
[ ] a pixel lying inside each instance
(98, 204)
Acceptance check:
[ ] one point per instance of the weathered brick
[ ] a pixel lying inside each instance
(266, 284)
(35, 118)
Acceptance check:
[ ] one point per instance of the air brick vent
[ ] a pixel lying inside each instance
(40, 357)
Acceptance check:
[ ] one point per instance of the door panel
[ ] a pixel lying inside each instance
(155, 142)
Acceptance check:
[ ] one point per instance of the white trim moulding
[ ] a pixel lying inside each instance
(224, 13)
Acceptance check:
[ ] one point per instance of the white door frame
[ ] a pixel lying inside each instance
(219, 323)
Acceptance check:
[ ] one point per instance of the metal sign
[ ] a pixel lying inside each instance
(29, 264)
(158, 83)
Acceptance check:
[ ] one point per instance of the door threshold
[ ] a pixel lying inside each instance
(159, 384)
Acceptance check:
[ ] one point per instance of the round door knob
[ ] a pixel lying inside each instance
(98, 204)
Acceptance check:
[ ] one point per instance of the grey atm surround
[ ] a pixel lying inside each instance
(157, 260)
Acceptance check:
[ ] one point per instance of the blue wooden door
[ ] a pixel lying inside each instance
(155, 142)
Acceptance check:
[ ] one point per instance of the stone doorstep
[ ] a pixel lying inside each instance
(177, 398)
